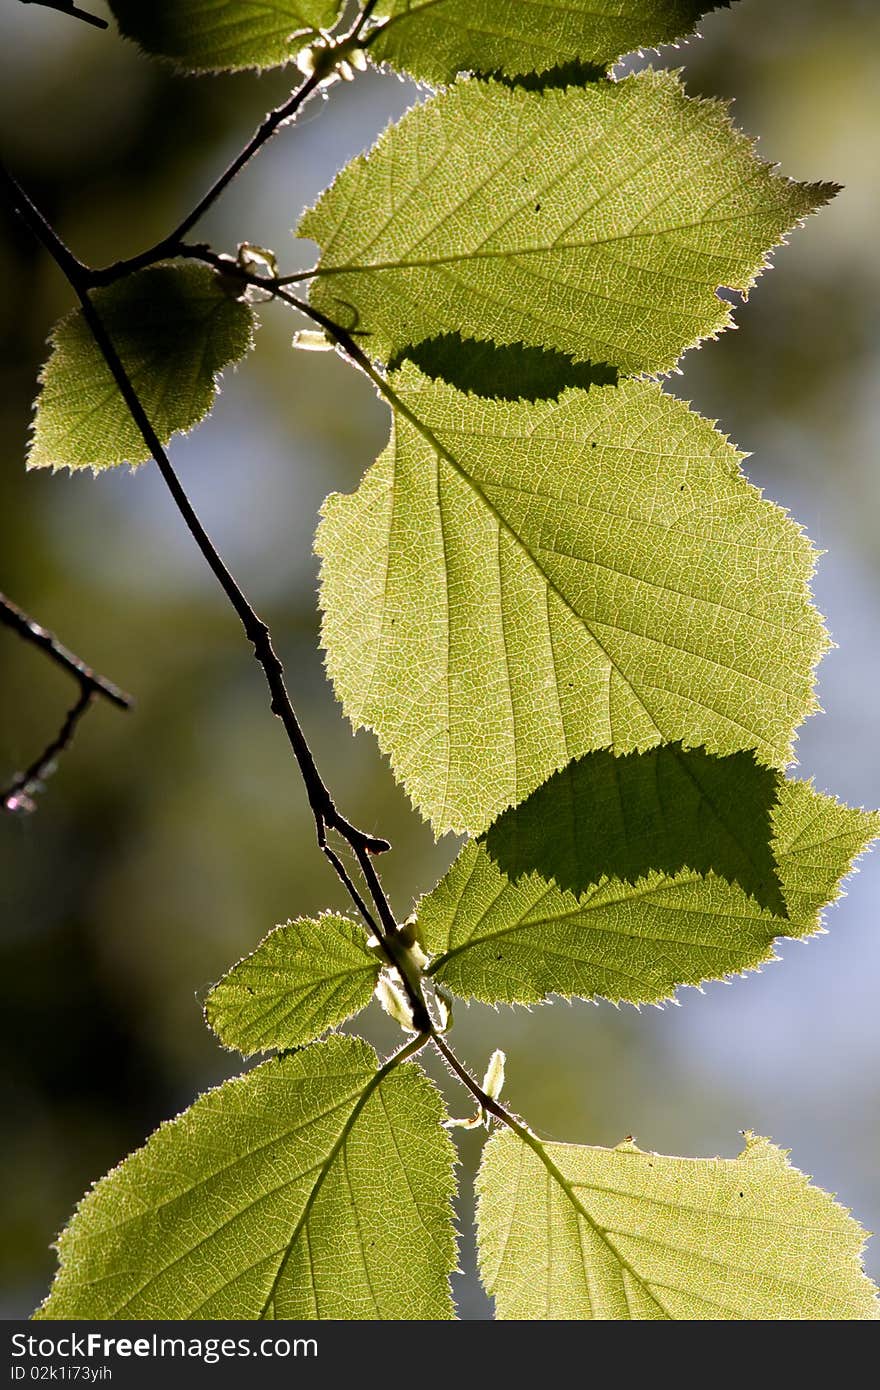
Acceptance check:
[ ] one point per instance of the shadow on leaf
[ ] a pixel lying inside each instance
(509, 373)
(667, 809)
(572, 74)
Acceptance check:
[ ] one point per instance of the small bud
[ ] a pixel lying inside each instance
(473, 1123)
(493, 1081)
(258, 260)
(418, 955)
(358, 59)
(408, 930)
(305, 61)
(312, 340)
(393, 1001)
(444, 1007)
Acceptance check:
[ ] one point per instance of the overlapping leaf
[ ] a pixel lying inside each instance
(502, 941)
(513, 585)
(175, 328)
(598, 222)
(302, 979)
(434, 40)
(570, 1232)
(208, 35)
(669, 808)
(313, 1187)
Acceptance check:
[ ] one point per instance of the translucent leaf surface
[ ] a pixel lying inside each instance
(175, 328)
(514, 584)
(669, 808)
(505, 942)
(435, 39)
(598, 222)
(569, 1232)
(207, 35)
(304, 978)
(313, 1187)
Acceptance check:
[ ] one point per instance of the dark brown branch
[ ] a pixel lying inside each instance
(19, 794)
(13, 617)
(67, 7)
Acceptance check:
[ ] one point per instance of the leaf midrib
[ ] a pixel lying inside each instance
(374, 1082)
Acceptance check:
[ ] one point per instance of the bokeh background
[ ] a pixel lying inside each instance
(171, 839)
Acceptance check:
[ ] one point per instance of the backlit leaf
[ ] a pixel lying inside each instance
(207, 35)
(598, 222)
(302, 979)
(175, 328)
(513, 585)
(570, 1232)
(435, 39)
(315, 1186)
(517, 942)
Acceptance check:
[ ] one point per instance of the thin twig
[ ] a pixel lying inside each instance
(18, 795)
(326, 814)
(20, 792)
(363, 19)
(15, 618)
(67, 7)
(169, 246)
(324, 810)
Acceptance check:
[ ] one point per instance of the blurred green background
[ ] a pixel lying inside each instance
(171, 839)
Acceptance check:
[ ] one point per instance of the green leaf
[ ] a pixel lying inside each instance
(669, 808)
(598, 222)
(302, 979)
(174, 328)
(209, 35)
(515, 943)
(570, 1232)
(433, 40)
(315, 1186)
(513, 585)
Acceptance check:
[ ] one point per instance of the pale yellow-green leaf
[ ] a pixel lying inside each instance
(208, 35)
(514, 584)
(175, 327)
(303, 978)
(435, 39)
(599, 222)
(570, 1232)
(505, 942)
(315, 1186)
